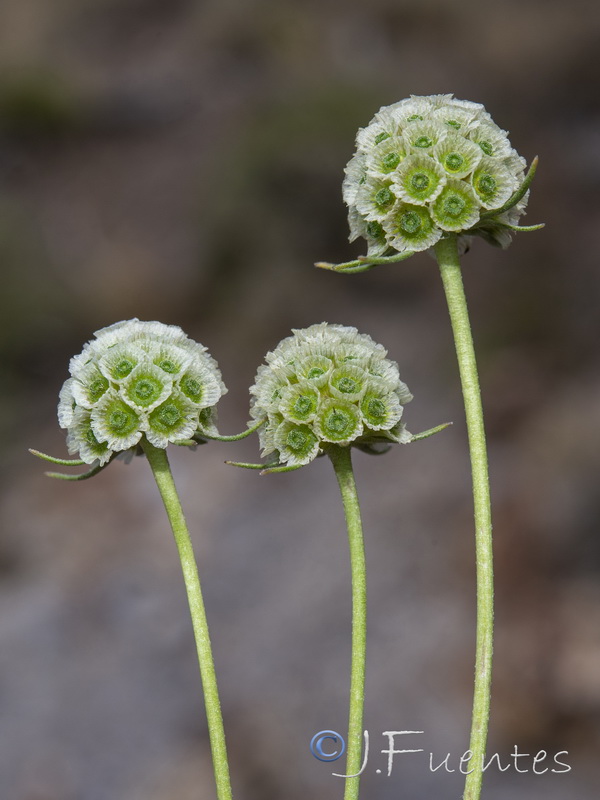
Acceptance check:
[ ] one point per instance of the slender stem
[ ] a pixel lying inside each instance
(447, 255)
(161, 470)
(342, 464)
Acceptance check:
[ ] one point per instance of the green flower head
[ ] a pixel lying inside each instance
(137, 379)
(327, 385)
(414, 154)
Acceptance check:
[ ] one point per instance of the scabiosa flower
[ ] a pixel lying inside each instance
(137, 379)
(447, 157)
(327, 385)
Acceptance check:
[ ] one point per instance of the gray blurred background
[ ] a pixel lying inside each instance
(182, 161)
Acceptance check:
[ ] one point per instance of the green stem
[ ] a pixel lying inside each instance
(446, 252)
(342, 464)
(159, 463)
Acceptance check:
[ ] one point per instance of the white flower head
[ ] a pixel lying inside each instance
(137, 379)
(444, 155)
(327, 385)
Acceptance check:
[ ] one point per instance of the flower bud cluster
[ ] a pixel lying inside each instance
(426, 166)
(137, 378)
(327, 385)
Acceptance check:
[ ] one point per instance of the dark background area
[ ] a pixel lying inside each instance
(182, 161)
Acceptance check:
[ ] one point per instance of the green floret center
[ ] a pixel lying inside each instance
(454, 162)
(383, 197)
(390, 161)
(423, 141)
(487, 148)
(376, 409)
(300, 440)
(303, 406)
(192, 388)
(315, 372)
(97, 388)
(487, 185)
(374, 230)
(166, 417)
(123, 368)
(121, 420)
(381, 137)
(337, 422)
(205, 416)
(168, 366)
(420, 181)
(454, 124)
(91, 439)
(348, 385)
(169, 415)
(146, 390)
(415, 117)
(411, 222)
(454, 205)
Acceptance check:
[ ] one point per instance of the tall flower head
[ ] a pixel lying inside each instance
(428, 166)
(134, 379)
(327, 385)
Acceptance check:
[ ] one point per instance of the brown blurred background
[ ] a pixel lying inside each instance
(182, 161)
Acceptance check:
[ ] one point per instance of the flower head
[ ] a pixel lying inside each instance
(430, 165)
(137, 379)
(327, 385)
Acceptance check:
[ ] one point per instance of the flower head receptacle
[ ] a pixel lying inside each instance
(137, 379)
(327, 385)
(426, 167)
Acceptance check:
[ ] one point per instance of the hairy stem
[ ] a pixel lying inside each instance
(342, 464)
(159, 463)
(446, 252)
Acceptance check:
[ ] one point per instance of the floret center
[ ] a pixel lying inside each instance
(374, 230)
(391, 161)
(192, 388)
(119, 420)
(303, 405)
(97, 388)
(384, 197)
(145, 389)
(410, 222)
(487, 184)
(423, 141)
(123, 368)
(296, 439)
(168, 366)
(376, 408)
(420, 181)
(454, 205)
(315, 372)
(89, 435)
(169, 415)
(454, 161)
(338, 422)
(348, 385)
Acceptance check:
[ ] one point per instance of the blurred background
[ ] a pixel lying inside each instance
(182, 161)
